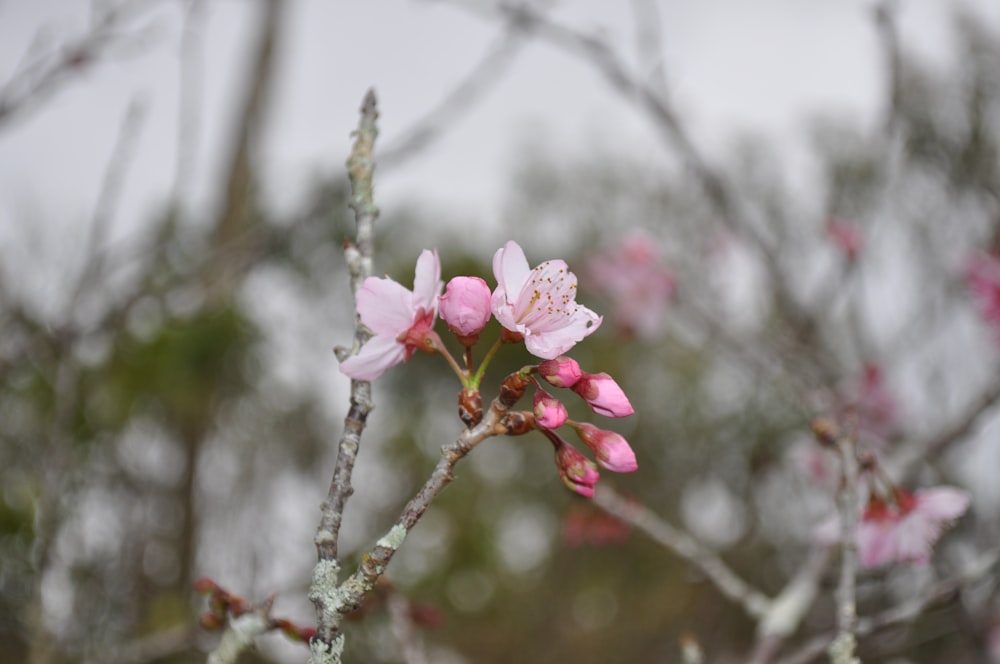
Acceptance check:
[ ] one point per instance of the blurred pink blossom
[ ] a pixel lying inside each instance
(604, 395)
(846, 235)
(904, 529)
(465, 306)
(402, 320)
(982, 274)
(560, 372)
(610, 449)
(632, 276)
(539, 304)
(550, 413)
(907, 530)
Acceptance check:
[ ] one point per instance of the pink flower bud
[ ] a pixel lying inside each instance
(611, 449)
(549, 411)
(561, 372)
(577, 471)
(465, 306)
(603, 395)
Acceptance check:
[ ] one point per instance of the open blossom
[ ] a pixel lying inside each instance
(465, 306)
(402, 320)
(983, 277)
(550, 413)
(539, 304)
(634, 279)
(907, 530)
(610, 449)
(604, 395)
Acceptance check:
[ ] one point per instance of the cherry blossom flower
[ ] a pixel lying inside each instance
(603, 395)
(402, 320)
(983, 277)
(610, 449)
(539, 304)
(465, 307)
(633, 277)
(907, 530)
(550, 413)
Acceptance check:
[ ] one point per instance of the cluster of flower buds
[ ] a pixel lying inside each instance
(536, 306)
(222, 603)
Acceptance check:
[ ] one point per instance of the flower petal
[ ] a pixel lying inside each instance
(374, 359)
(385, 306)
(510, 267)
(427, 282)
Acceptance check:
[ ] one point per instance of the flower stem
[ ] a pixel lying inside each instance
(478, 376)
(439, 346)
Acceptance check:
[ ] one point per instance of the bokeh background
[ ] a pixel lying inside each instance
(173, 207)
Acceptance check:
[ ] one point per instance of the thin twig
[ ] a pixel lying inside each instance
(334, 601)
(361, 166)
(841, 650)
(789, 608)
(752, 601)
(40, 76)
(906, 611)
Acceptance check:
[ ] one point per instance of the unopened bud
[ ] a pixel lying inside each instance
(518, 423)
(603, 395)
(512, 389)
(826, 431)
(549, 411)
(470, 407)
(465, 308)
(561, 372)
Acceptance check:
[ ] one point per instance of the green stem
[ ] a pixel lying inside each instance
(478, 376)
(439, 346)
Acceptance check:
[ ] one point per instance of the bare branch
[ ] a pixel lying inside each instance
(906, 611)
(41, 75)
(361, 167)
(734, 588)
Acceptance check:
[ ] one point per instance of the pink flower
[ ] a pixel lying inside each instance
(632, 276)
(561, 372)
(907, 530)
(983, 277)
(577, 471)
(603, 395)
(846, 235)
(465, 306)
(402, 320)
(539, 304)
(550, 413)
(610, 449)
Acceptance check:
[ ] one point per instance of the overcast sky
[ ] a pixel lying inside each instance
(732, 66)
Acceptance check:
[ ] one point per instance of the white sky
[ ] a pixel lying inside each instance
(733, 66)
